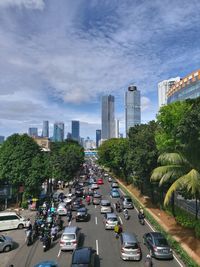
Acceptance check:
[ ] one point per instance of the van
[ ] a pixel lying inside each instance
(130, 248)
(70, 238)
(11, 220)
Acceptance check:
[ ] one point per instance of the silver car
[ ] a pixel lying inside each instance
(6, 243)
(110, 220)
(105, 206)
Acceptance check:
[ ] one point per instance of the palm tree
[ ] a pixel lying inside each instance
(178, 172)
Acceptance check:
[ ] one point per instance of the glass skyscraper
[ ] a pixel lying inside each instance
(108, 117)
(98, 137)
(45, 129)
(132, 108)
(76, 130)
(33, 132)
(58, 132)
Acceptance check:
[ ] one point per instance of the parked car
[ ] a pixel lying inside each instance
(114, 193)
(11, 220)
(6, 243)
(84, 257)
(100, 181)
(81, 214)
(126, 202)
(157, 245)
(105, 206)
(110, 220)
(96, 199)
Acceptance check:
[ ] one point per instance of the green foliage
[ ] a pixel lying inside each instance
(197, 229)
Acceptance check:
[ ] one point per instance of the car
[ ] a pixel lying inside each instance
(69, 198)
(114, 185)
(157, 245)
(96, 199)
(126, 202)
(94, 186)
(110, 220)
(77, 204)
(100, 181)
(105, 206)
(46, 264)
(61, 209)
(129, 247)
(79, 192)
(70, 238)
(81, 215)
(6, 243)
(114, 193)
(84, 257)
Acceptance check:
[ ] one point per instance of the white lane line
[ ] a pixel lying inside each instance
(59, 253)
(97, 247)
(95, 220)
(120, 220)
(178, 261)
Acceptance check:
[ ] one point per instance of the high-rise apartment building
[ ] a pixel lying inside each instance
(187, 87)
(98, 137)
(76, 130)
(108, 117)
(132, 108)
(58, 132)
(163, 88)
(45, 129)
(33, 132)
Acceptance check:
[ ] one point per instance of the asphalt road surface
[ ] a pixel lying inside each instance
(93, 235)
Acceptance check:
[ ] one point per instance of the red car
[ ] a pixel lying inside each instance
(100, 181)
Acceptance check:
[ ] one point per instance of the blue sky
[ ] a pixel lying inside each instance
(58, 57)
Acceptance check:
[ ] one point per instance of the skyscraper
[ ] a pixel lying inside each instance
(45, 129)
(33, 132)
(98, 137)
(163, 88)
(108, 117)
(116, 128)
(2, 138)
(76, 130)
(132, 108)
(58, 132)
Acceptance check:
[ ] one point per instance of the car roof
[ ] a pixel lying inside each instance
(81, 255)
(129, 237)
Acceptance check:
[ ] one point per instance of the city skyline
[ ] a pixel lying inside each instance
(58, 60)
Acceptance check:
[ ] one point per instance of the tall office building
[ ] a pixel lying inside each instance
(2, 138)
(187, 87)
(108, 117)
(163, 88)
(132, 108)
(58, 132)
(116, 128)
(45, 129)
(33, 132)
(76, 130)
(98, 137)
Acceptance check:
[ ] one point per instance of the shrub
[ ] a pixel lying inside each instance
(197, 230)
(24, 204)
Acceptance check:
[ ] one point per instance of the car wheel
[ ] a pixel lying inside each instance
(7, 248)
(20, 226)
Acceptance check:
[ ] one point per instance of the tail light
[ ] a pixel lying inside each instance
(122, 250)
(138, 250)
(62, 242)
(74, 242)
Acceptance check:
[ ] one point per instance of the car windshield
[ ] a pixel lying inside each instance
(112, 219)
(128, 200)
(161, 242)
(106, 204)
(68, 236)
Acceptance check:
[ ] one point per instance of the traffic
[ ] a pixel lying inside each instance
(91, 222)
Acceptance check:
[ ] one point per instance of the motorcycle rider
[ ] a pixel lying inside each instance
(148, 261)
(125, 212)
(88, 199)
(28, 231)
(141, 217)
(54, 231)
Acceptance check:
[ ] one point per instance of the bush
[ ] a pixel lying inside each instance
(24, 204)
(197, 230)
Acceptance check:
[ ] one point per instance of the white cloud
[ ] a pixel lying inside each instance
(30, 4)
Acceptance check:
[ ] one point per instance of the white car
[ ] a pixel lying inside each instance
(94, 186)
(105, 206)
(61, 210)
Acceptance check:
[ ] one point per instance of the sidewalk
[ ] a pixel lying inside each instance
(184, 236)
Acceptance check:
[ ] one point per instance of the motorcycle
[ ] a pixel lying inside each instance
(46, 243)
(148, 261)
(141, 219)
(126, 215)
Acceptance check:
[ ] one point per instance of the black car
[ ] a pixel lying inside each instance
(84, 257)
(81, 215)
(77, 204)
(157, 245)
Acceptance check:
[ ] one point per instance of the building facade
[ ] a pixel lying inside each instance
(108, 117)
(58, 132)
(33, 132)
(163, 88)
(98, 137)
(43, 142)
(76, 130)
(187, 87)
(2, 139)
(116, 128)
(132, 108)
(45, 129)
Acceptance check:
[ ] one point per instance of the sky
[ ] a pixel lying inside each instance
(58, 57)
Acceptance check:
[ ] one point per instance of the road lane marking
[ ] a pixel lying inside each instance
(97, 247)
(95, 220)
(120, 220)
(59, 253)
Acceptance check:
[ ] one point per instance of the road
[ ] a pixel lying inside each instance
(93, 235)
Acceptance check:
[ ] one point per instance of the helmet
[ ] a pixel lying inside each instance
(148, 256)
